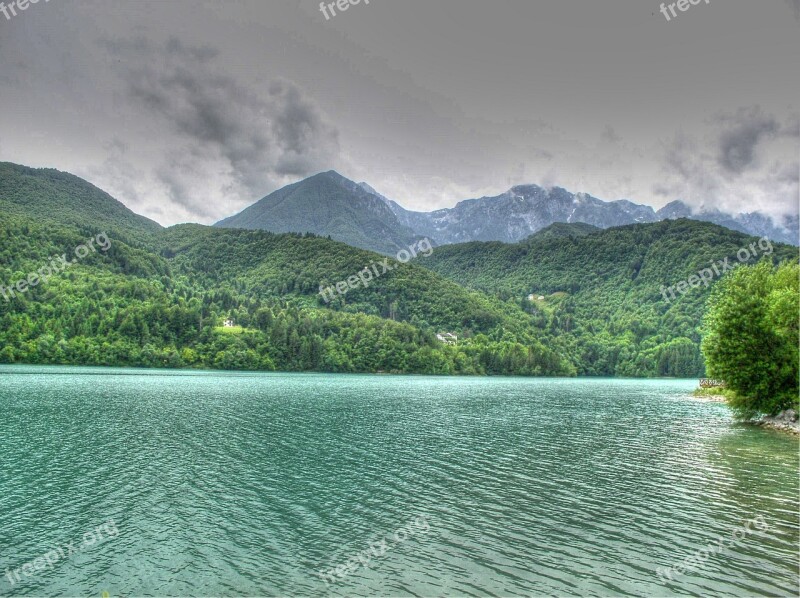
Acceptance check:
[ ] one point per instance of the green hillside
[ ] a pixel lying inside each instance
(159, 297)
(602, 290)
(45, 194)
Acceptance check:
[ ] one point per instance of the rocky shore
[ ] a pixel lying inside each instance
(785, 421)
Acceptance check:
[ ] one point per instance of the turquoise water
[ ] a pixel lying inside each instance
(204, 483)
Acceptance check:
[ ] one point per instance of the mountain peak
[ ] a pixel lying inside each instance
(328, 204)
(330, 175)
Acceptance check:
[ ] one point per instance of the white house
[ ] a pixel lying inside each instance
(447, 338)
(228, 323)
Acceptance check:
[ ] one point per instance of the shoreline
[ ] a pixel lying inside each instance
(211, 370)
(709, 398)
(786, 421)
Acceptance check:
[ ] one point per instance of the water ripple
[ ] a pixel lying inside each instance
(247, 484)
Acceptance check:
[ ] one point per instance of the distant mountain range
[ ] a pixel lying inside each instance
(329, 204)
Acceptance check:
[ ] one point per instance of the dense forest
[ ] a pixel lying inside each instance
(599, 292)
(571, 300)
(141, 306)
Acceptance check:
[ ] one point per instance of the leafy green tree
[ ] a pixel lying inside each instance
(751, 338)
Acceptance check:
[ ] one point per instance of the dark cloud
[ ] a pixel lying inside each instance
(203, 53)
(792, 127)
(738, 143)
(176, 176)
(736, 166)
(120, 175)
(255, 139)
(297, 126)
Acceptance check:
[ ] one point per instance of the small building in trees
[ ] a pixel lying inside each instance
(448, 338)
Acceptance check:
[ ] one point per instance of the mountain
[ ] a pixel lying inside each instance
(159, 297)
(357, 214)
(599, 295)
(561, 230)
(751, 223)
(526, 209)
(571, 298)
(328, 204)
(49, 195)
(138, 308)
(518, 213)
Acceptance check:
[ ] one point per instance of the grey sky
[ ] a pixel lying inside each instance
(190, 111)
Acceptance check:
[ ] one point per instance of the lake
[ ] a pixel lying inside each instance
(139, 482)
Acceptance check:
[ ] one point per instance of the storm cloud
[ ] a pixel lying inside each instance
(222, 127)
(744, 131)
(737, 164)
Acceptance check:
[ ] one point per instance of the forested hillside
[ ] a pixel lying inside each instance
(45, 194)
(601, 290)
(159, 297)
(139, 307)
